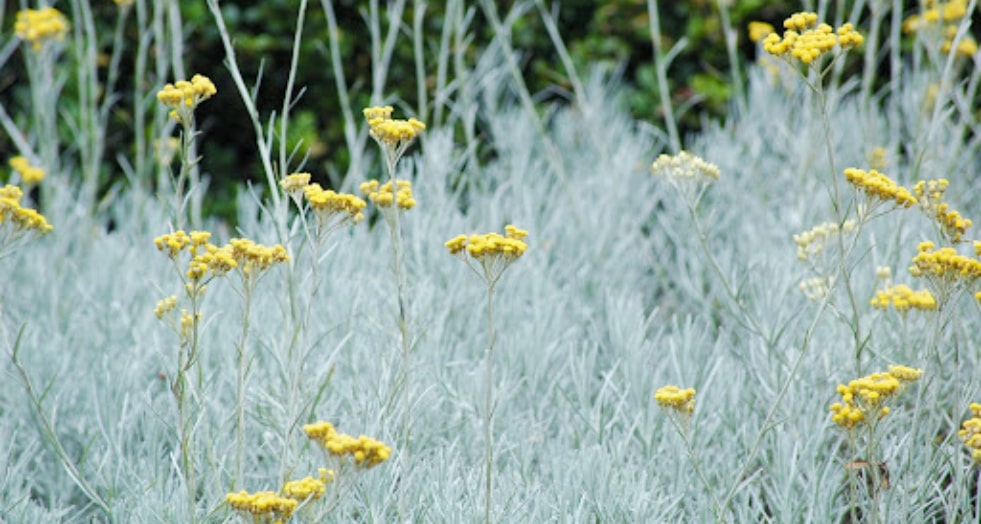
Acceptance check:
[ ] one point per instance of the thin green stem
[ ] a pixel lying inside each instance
(697, 466)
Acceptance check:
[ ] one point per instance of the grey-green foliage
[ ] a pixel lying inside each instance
(612, 300)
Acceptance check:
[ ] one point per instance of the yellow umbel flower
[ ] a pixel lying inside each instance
(492, 253)
(944, 264)
(20, 220)
(264, 506)
(28, 174)
(393, 135)
(876, 185)
(327, 205)
(184, 96)
(930, 194)
(970, 432)
(673, 397)
(806, 40)
(39, 26)
(304, 488)
(902, 298)
(382, 196)
(865, 399)
(252, 258)
(365, 451)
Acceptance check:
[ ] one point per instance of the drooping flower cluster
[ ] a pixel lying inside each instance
(879, 186)
(393, 135)
(675, 398)
(40, 26)
(866, 399)
(491, 252)
(382, 195)
(970, 432)
(28, 174)
(806, 40)
(814, 241)
(364, 451)
(902, 299)
(184, 96)
(930, 195)
(16, 220)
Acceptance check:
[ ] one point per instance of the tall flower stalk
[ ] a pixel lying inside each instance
(394, 137)
(489, 255)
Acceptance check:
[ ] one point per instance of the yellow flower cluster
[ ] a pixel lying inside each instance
(327, 204)
(812, 242)
(876, 185)
(252, 258)
(930, 194)
(39, 26)
(381, 195)
(365, 451)
(490, 245)
(28, 174)
(935, 13)
(673, 397)
(165, 306)
(685, 167)
(866, 397)
(308, 487)
(391, 132)
(759, 30)
(806, 40)
(902, 298)
(970, 433)
(205, 256)
(183, 96)
(295, 182)
(264, 506)
(21, 219)
(944, 263)
(967, 47)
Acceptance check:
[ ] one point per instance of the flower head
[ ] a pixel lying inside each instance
(875, 185)
(328, 206)
(759, 30)
(806, 40)
(902, 298)
(40, 26)
(492, 253)
(28, 174)
(383, 196)
(17, 221)
(970, 432)
(866, 399)
(184, 96)
(393, 135)
(264, 506)
(930, 195)
(365, 451)
(677, 399)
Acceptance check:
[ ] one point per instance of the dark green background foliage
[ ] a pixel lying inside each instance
(614, 32)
